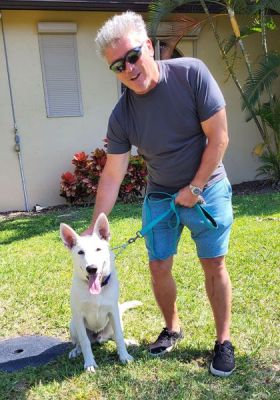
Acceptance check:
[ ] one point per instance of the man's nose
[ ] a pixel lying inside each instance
(128, 66)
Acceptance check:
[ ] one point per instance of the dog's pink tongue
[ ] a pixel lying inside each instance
(94, 284)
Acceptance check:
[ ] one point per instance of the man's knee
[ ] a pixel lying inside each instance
(213, 266)
(160, 268)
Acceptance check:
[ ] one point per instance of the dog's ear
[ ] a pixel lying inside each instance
(68, 235)
(101, 227)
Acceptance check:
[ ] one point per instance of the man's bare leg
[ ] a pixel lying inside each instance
(218, 288)
(164, 289)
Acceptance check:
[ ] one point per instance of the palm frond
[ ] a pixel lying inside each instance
(262, 5)
(262, 78)
(270, 166)
(270, 113)
(160, 9)
(239, 6)
(232, 40)
(246, 31)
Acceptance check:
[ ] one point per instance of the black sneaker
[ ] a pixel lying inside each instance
(165, 342)
(223, 360)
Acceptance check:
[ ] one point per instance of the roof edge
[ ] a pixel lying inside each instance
(91, 5)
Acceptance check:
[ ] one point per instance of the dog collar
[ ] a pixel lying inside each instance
(106, 280)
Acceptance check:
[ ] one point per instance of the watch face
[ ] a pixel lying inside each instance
(195, 190)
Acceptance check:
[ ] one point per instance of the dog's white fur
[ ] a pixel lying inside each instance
(96, 313)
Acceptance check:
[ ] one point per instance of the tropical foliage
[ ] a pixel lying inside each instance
(80, 187)
(259, 94)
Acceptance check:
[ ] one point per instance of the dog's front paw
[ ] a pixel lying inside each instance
(90, 368)
(127, 358)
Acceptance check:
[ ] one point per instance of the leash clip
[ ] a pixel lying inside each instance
(129, 241)
(133, 239)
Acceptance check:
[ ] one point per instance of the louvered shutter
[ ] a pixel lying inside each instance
(60, 69)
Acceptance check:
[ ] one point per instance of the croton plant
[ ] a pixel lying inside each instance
(80, 186)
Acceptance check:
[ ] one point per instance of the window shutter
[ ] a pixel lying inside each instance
(60, 70)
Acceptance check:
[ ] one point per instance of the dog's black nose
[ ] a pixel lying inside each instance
(91, 269)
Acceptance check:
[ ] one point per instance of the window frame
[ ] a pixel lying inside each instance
(56, 106)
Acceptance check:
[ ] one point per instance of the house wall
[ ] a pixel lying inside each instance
(239, 161)
(48, 144)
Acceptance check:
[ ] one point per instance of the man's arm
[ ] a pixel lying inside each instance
(109, 185)
(215, 128)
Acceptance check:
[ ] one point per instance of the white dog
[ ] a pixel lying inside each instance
(96, 313)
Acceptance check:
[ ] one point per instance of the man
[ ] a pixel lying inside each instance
(174, 112)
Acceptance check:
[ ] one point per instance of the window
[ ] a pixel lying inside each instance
(60, 69)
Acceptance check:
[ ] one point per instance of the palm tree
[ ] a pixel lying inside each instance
(258, 98)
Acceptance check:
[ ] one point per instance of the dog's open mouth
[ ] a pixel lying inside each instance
(94, 283)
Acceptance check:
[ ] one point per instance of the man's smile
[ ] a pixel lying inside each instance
(135, 77)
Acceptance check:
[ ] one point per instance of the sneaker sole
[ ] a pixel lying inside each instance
(221, 374)
(167, 350)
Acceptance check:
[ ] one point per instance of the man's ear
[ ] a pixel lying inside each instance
(150, 47)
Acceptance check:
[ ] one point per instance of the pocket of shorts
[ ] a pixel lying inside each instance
(227, 185)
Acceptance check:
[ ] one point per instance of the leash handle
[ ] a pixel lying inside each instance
(205, 215)
(171, 199)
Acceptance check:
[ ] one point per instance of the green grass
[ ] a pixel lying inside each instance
(35, 272)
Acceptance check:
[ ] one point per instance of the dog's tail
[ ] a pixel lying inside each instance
(127, 305)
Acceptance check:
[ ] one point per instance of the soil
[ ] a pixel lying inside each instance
(244, 188)
(255, 187)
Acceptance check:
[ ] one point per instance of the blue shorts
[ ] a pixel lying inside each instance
(163, 239)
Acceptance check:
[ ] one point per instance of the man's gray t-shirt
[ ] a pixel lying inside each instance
(165, 123)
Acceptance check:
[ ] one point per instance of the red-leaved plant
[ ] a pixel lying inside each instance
(80, 187)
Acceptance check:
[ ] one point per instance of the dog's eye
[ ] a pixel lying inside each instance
(98, 249)
(81, 252)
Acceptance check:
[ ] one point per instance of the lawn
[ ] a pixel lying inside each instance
(35, 272)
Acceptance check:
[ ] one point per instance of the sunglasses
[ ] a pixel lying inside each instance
(132, 56)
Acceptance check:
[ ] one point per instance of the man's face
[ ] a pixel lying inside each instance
(141, 76)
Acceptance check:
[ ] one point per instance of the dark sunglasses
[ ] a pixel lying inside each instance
(132, 56)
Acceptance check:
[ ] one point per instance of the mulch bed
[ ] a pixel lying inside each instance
(255, 187)
(244, 188)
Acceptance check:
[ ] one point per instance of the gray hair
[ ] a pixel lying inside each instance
(118, 27)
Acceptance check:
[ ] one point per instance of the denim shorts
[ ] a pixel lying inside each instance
(162, 240)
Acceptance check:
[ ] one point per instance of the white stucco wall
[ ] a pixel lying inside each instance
(48, 144)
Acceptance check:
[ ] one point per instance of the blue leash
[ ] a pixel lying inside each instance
(205, 215)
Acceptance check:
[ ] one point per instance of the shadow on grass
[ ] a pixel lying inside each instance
(176, 375)
(79, 217)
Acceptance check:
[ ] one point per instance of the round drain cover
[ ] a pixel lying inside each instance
(23, 351)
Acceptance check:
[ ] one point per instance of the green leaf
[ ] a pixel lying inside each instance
(239, 6)
(262, 78)
(248, 31)
(262, 5)
(270, 113)
(160, 9)
(270, 165)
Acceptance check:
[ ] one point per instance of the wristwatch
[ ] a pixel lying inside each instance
(196, 191)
